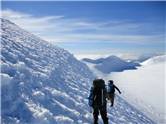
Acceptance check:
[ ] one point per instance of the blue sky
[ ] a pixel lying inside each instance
(91, 29)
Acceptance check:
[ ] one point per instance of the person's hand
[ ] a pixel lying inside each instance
(120, 93)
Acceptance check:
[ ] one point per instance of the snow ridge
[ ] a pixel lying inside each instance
(38, 79)
(155, 60)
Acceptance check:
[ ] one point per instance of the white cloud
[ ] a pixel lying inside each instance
(61, 29)
(30, 22)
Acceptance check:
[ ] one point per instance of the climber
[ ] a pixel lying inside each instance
(111, 92)
(97, 100)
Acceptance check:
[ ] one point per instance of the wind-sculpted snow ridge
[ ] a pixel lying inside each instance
(44, 84)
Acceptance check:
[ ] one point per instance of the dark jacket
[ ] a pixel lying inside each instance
(113, 87)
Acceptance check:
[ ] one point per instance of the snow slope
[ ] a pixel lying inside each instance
(39, 81)
(112, 64)
(42, 83)
(144, 88)
(155, 60)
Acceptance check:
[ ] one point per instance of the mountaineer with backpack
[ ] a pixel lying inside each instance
(111, 91)
(97, 100)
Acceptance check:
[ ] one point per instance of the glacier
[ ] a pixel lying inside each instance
(42, 83)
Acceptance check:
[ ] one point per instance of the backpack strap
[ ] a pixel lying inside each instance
(102, 97)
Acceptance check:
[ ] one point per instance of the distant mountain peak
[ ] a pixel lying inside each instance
(112, 64)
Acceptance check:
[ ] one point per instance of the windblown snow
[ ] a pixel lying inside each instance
(42, 83)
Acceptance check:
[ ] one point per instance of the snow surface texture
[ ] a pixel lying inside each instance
(144, 88)
(112, 64)
(44, 84)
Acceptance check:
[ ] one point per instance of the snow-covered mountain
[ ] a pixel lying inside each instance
(39, 81)
(42, 83)
(112, 64)
(155, 60)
